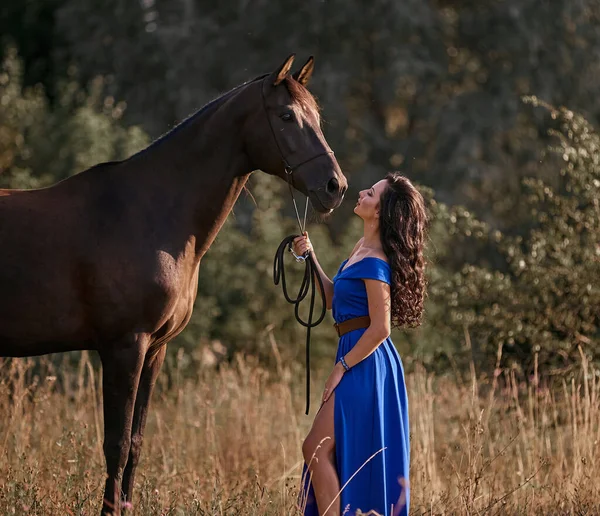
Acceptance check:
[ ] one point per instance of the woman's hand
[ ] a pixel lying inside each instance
(334, 379)
(302, 244)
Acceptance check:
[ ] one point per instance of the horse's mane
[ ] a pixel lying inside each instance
(300, 95)
(206, 108)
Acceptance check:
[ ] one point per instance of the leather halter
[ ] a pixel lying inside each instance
(289, 169)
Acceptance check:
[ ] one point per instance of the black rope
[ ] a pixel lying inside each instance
(308, 282)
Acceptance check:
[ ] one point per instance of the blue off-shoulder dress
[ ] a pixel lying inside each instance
(371, 409)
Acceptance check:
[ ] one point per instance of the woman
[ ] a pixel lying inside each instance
(359, 441)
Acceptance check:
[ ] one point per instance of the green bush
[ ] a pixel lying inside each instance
(41, 143)
(544, 299)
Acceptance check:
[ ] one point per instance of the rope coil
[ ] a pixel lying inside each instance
(308, 284)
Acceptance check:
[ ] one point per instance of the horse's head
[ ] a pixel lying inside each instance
(285, 138)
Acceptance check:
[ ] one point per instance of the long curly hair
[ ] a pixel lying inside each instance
(402, 226)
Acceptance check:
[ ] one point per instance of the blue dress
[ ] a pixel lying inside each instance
(371, 409)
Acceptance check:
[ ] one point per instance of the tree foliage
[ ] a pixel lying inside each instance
(430, 87)
(41, 143)
(545, 299)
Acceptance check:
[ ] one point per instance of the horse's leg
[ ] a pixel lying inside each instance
(121, 368)
(150, 371)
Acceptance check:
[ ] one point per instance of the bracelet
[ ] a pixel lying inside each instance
(344, 365)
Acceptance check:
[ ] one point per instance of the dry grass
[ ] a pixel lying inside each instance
(228, 442)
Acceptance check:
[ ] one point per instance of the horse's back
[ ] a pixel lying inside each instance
(74, 259)
(42, 235)
(52, 213)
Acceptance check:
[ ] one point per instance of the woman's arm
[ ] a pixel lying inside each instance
(302, 245)
(327, 283)
(378, 294)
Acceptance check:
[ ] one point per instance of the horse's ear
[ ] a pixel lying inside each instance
(281, 73)
(305, 73)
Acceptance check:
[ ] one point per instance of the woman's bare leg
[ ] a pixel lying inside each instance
(319, 453)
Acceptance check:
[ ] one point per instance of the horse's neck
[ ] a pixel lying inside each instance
(199, 171)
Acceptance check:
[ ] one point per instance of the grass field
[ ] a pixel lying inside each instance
(228, 442)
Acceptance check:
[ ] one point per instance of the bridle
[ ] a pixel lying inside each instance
(310, 270)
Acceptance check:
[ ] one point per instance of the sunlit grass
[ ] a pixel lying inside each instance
(229, 441)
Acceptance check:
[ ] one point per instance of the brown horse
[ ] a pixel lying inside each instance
(109, 259)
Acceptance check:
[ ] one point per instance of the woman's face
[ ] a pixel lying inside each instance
(367, 207)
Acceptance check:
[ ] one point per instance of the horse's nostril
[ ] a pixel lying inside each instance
(333, 186)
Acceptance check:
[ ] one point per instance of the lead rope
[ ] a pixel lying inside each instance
(308, 283)
(301, 225)
(310, 272)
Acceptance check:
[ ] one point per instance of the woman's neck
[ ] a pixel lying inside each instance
(371, 238)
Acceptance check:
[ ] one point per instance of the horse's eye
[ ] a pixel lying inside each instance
(286, 117)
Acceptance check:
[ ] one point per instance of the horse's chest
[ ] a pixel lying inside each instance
(153, 296)
(175, 319)
(171, 292)
(172, 295)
